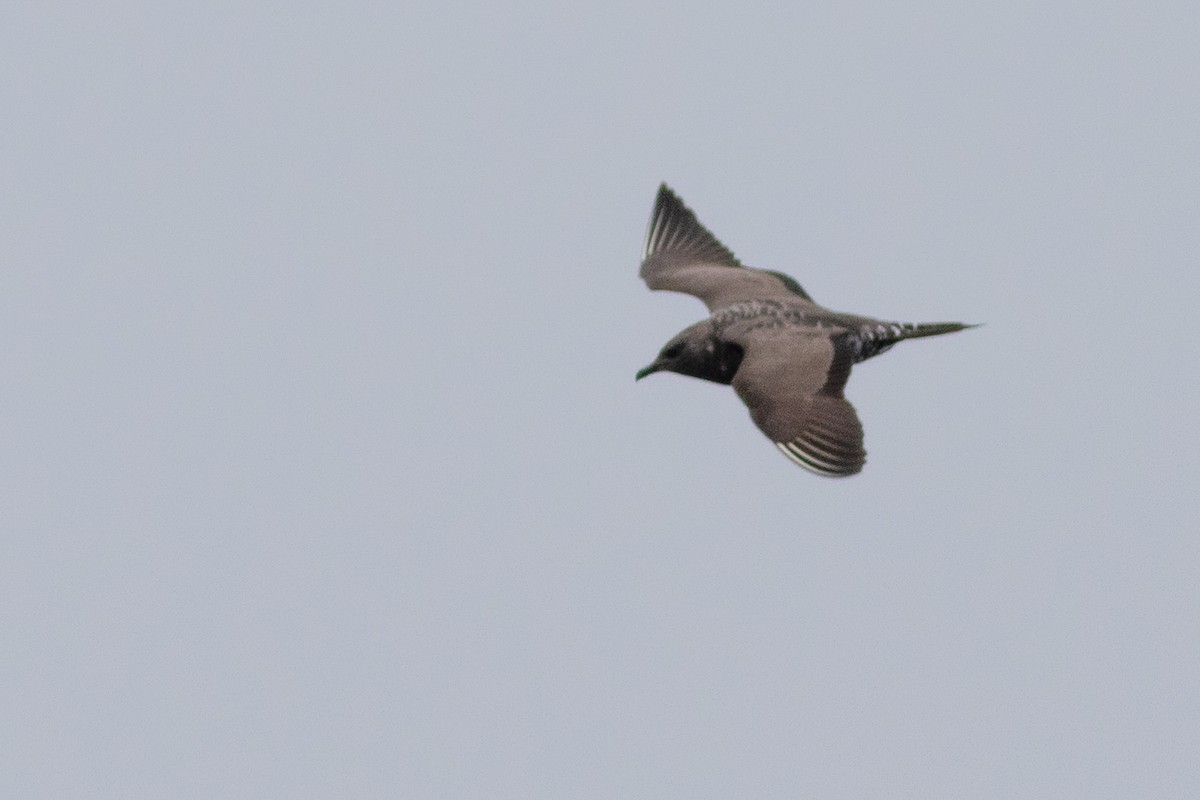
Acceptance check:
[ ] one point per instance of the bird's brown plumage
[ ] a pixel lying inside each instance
(792, 357)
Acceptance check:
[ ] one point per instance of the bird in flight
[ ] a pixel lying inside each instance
(786, 357)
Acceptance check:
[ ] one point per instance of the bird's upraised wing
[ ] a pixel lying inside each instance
(791, 379)
(681, 255)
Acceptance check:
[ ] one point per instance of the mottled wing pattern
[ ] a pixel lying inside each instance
(681, 255)
(792, 379)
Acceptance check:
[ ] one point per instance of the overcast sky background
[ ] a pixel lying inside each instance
(324, 469)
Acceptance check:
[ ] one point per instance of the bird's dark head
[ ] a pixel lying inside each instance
(697, 353)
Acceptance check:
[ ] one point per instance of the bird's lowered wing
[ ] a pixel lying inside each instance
(681, 255)
(791, 379)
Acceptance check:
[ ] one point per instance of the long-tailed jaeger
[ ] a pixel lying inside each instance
(787, 357)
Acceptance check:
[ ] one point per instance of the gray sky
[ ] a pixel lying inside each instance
(324, 469)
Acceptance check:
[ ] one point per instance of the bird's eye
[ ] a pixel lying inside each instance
(673, 351)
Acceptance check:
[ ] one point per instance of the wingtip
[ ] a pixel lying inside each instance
(665, 196)
(817, 466)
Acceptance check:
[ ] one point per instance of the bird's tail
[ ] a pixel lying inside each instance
(917, 330)
(878, 337)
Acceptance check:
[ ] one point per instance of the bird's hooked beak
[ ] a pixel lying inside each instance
(650, 370)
